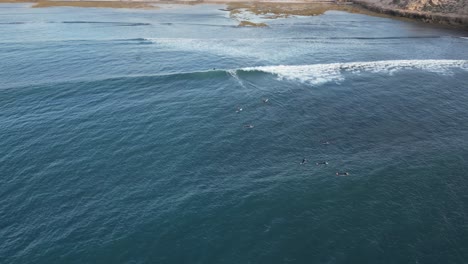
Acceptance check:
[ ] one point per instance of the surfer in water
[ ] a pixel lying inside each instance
(324, 142)
(248, 126)
(342, 174)
(265, 100)
(304, 161)
(239, 109)
(321, 163)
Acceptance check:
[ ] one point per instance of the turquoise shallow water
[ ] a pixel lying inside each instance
(121, 142)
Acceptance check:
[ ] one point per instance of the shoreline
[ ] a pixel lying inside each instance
(98, 4)
(85, 3)
(280, 8)
(426, 17)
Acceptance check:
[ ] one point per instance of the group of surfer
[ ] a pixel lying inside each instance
(239, 109)
(304, 160)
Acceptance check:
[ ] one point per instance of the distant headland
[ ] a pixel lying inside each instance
(452, 12)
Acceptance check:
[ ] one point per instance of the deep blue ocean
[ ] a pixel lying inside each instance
(122, 139)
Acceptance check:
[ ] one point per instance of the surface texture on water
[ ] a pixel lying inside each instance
(120, 141)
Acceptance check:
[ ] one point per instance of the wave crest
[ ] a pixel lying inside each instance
(314, 74)
(333, 72)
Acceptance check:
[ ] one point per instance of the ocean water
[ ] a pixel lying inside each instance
(120, 140)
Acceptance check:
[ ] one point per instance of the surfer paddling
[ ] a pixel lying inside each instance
(342, 174)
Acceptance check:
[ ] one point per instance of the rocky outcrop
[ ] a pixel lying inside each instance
(453, 12)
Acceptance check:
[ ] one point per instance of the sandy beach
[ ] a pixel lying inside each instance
(273, 8)
(101, 4)
(266, 9)
(108, 4)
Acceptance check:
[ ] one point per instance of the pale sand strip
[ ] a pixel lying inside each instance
(108, 4)
(279, 8)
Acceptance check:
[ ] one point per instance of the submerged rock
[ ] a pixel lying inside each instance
(251, 24)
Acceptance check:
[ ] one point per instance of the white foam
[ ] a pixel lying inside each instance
(333, 72)
(251, 48)
(233, 74)
(222, 47)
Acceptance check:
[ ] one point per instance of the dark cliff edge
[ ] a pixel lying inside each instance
(447, 12)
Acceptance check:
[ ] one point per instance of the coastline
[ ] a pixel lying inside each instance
(273, 8)
(103, 4)
(451, 19)
(79, 3)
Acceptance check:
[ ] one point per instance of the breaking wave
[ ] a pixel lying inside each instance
(314, 74)
(333, 72)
